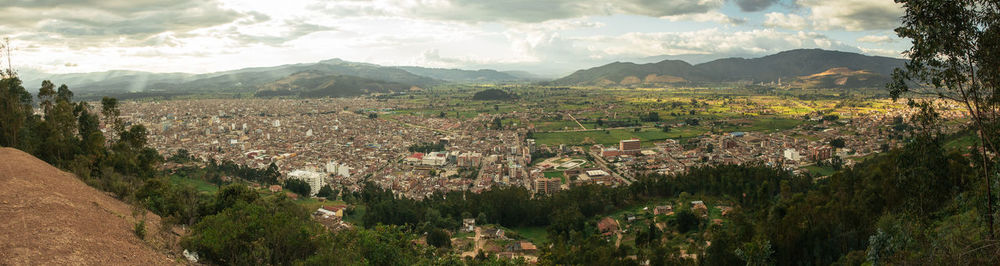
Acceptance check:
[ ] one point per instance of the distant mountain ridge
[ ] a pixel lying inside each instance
(312, 84)
(788, 66)
(253, 78)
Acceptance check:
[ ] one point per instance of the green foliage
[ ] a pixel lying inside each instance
(438, 238)
(426, 147)
(298, 187)
(326, 192)
(262, 231)
(140, 229)
(493, 95)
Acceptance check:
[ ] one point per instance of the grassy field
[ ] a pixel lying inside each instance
(535, 234)
(612, 136)
(821, 170)
(198, 184)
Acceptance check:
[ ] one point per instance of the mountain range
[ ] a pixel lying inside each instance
(335, 77)
(802, 67)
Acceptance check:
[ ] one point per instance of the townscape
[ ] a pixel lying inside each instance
(483, 133)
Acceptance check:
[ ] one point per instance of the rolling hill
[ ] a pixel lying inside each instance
(802, 66)
(459, 75)
(251, 79)
(311, 84)
(52, 218)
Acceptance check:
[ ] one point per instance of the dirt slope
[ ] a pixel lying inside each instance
(49, 217)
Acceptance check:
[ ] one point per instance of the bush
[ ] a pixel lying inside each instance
(140, 229)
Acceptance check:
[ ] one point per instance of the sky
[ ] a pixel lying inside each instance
(546, 37)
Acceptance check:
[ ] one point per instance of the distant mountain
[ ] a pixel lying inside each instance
(459, 75)
(794, 66)
(251, 79)
(314, 83)
(246, 79)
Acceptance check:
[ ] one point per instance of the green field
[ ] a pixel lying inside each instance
(612, 136)
(820, 170)
(198, 184)
(535, 234)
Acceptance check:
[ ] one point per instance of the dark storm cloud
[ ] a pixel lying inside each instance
(755, 5)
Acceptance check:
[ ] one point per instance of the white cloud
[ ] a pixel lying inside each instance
(853, 15)
(711, 16)
(882, 52)
(875, 39)
(786, 21)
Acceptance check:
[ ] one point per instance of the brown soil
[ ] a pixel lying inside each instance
(49, 217)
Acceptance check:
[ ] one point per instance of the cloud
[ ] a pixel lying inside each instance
(711, 16)
(754, 5)
(786, 21)
(853, 15)
(875, 39)
(523, 11)
(882, 52)
(93, 22)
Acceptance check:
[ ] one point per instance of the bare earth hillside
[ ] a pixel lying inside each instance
(49, 217)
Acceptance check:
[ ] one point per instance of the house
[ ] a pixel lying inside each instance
(274, 188)
(468, 224)
(663, 209)
(493, 233)
(522, 247)
(331, 211)
(607, 226)
(699, 207)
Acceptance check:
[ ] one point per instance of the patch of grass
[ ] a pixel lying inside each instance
(612, 136)
(535, 234)
(198, 184)
(821, 170)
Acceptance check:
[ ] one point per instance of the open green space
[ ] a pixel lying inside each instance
(198, 184)
(535, 234)
(612, 136)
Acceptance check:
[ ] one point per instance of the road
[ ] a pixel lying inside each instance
(604, 165)
(577, 122)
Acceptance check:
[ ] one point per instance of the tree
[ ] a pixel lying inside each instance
(955, 55)
(372, 115)
(837, 143)
(15, 108)
(46, 96)
(298, 187)
(326, 192)
(438, 238)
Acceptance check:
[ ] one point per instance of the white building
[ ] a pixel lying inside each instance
(338, 169)
(316, 180)
(792, 154)
(435, 159)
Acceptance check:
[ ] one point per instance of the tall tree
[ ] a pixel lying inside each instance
(956, 56)
(46, 96)
(15, 108)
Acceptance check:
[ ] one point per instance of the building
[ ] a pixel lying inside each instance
(821, 153)
(331, 211)
(435, 159)
(630, 146)
(610, 152)
(792, 154)
(314, 179)
(469, 159)
(469, 225)
(547, 185)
